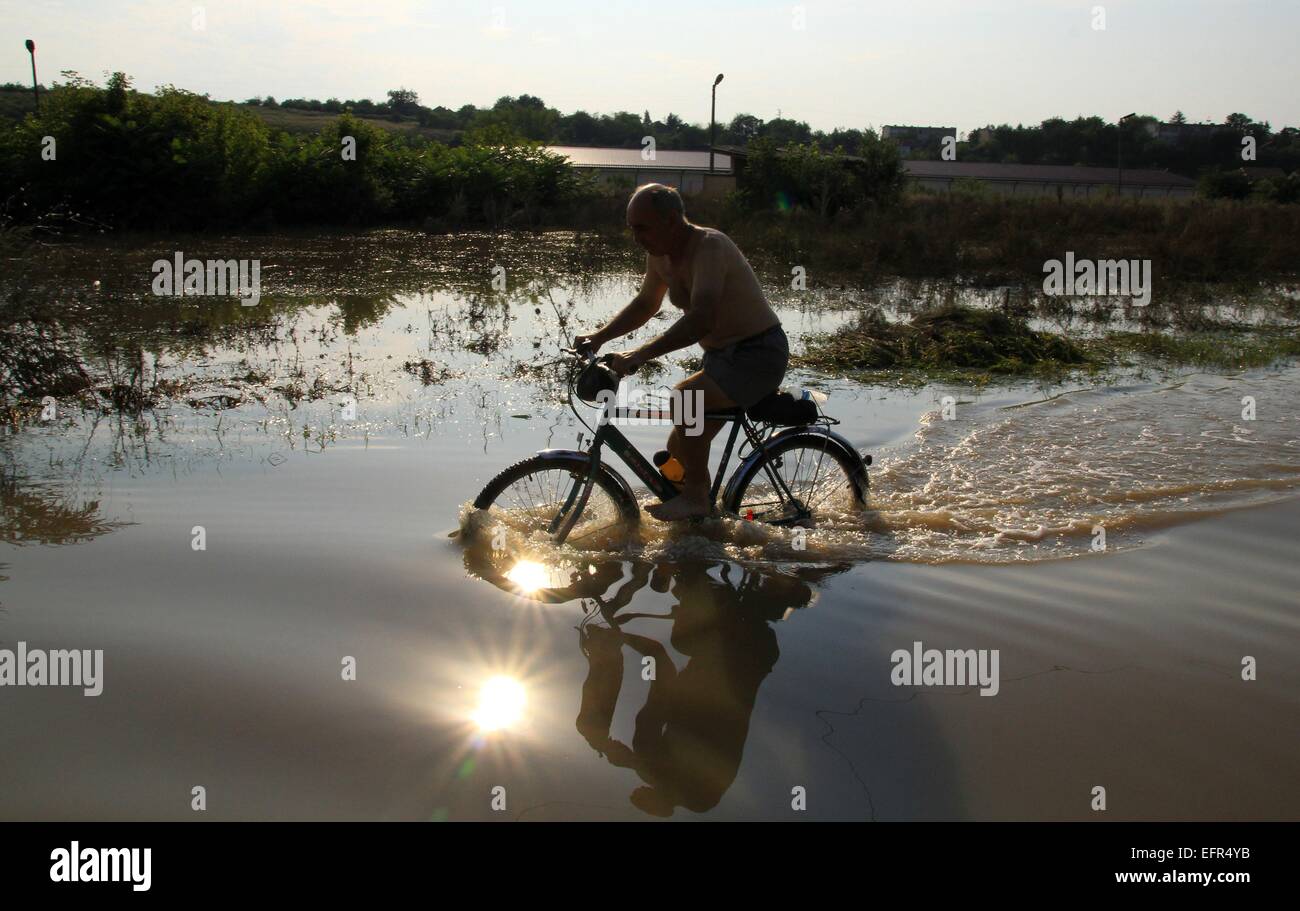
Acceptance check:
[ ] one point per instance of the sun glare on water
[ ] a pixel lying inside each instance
(500, 705)
(528, 575)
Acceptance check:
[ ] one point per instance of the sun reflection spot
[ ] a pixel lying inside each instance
(500, 704)
(528, 575)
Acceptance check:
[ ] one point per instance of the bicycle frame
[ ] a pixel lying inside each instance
(608, 434)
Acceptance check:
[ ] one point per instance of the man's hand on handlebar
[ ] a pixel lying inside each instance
(625, 363)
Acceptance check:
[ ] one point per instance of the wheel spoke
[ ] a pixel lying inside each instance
(532, 500)
(811, 474)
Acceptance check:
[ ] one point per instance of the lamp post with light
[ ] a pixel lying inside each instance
(713, 126)
(31, 49)
(1119, 175)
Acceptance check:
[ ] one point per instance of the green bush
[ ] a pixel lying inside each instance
(177, 161)
(1220, 184)
(1278, 189)
(171, 159)
(803, 176)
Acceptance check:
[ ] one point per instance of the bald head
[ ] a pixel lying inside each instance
(657, 217)
(662, 200)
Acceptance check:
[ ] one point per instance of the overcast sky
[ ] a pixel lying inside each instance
(956, 63)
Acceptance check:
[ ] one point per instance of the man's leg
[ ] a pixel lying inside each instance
(689, 443)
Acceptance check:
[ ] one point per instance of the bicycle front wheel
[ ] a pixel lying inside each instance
(824, 482)
(536, 494)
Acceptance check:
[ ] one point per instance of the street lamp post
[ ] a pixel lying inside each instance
(1119, 155)
(31, 49)
(713, 126)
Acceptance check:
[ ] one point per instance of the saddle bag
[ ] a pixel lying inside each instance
(784, 409)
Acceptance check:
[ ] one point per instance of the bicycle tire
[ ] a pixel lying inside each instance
(741, 502)
(623, 507)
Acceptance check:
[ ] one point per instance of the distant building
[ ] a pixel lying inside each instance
(1028, 179)
(1048, 180)
(909, 139)
(628, 168)
(689, 172)
(1178, 133)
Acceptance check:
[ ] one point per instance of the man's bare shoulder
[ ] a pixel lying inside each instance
(714, 236)
(716, 245)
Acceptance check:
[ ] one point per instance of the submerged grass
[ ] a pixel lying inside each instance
(958, 344)
(947, 340)
(1223, 350)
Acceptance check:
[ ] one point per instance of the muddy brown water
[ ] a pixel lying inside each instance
(329, 537)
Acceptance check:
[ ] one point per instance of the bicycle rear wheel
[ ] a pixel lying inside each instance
(529, 496)
(827, 483)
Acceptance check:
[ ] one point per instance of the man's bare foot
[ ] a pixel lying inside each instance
(682, 506)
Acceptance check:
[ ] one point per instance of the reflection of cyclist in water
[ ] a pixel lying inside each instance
(690, 734)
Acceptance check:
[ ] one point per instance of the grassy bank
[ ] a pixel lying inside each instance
(990, 240)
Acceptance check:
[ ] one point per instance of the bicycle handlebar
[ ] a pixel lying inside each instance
(587, 354)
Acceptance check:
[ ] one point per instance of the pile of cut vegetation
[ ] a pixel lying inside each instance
(949, 337)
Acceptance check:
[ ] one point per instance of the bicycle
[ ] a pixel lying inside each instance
(554, 488)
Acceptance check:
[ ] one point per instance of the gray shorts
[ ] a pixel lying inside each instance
(750, 369)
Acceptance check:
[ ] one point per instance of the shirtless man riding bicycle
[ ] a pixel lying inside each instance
(706, 276)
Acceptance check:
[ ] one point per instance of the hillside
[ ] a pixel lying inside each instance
(293, 120)
(14, 103)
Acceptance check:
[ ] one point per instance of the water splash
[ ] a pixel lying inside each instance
(1039, 480)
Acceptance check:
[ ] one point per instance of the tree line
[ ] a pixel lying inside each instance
(173, 159)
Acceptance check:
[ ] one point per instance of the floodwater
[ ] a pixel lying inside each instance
(334, 538)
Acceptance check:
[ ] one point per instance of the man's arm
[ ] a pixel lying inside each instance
(636, 314)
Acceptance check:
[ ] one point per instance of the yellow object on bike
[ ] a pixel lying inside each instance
(669, 467)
